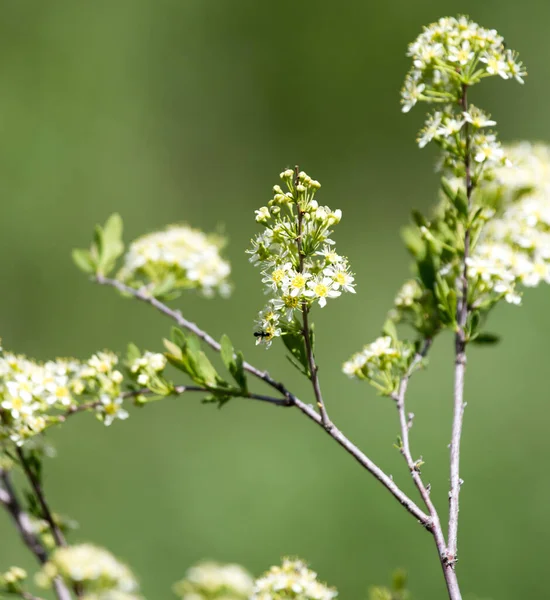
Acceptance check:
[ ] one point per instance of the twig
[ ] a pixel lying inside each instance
(313, 368)
(178, 390)
(28, 596)
(436, 529)
(460, 362)
(39, 493)
(8, 498)
(291, 399)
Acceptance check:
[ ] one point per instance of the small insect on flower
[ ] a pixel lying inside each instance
(261, 335)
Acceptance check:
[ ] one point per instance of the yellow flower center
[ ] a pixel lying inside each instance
(17, 403)
(298, 282)
(321, 290)
(111, 409)
(290, 301)
(277, 275)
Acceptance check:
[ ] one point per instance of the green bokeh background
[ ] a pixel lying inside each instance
(172, 111)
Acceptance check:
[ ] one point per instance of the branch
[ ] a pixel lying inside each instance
(291, 399)
(405, 424)
(9, 500)
(39, 493)
(313, 368)
(177, 391)
(460, 361)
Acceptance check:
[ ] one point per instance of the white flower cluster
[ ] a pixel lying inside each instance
(514, 246)
(147, 366)
(98, 572)
(375, 357)
(214, 581)
(33, 394)
(455, 52)
(292, 580)
(185, 258)
(296, 254)
(409, 293)
(111, 595)
(448, 57)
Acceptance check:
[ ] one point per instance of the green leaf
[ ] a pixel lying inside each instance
(448, 189)
(295, 344)
(227, 352)
(132, 353)
(164, 287)
(84, 261)
(419, 219)
(233, 362)
(173, 349)
(390, 330)
(218, 398)
(427, 271)
(206, 371)
(112, 230)
(239, 373)
(178, 336)
(108, 242)
(413, 242)
(486, 339)
(461, 203)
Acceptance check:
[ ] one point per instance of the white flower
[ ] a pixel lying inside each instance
(212, 580)
(294, 283)
(111, 409)
(430, 130)
(450, 126)
(411, 93)
(292, 580)
(495, 65)
(90, 566)
(320, 289)
(186, 255)
(478, 118)
(341, 278)
(262, 215)
(462, 54)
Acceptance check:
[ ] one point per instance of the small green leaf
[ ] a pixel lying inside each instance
(413, 242)
(390, 330)
(173, 349)
(448, 189)
(427, 271)
(239, 374)
(461, 203)
(295, 344)
(178, 337)
(206, 371)
(112, 230)
(486, 339)
(164, 287)
(83, 260)
(419, 219)
(132, 353)
(227, 352)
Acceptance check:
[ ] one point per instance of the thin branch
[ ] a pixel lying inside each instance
(28, 596)
(460, 361)
(313, 368)
(177, 391)
(291, 399)
(436, 529)
(40, 496)
(8, 498)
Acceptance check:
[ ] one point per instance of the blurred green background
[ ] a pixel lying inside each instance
(173, 111)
